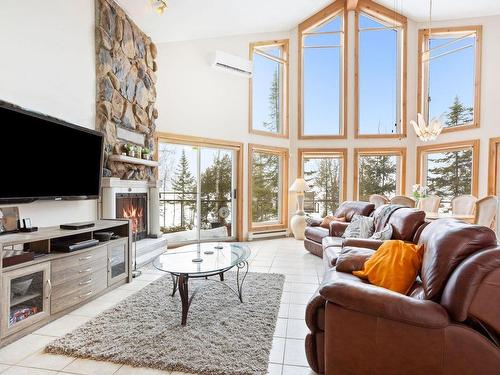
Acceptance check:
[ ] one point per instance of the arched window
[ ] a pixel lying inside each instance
(380, 72)
(321, 74)
(450, 75)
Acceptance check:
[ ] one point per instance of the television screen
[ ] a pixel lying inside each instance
(46, 158)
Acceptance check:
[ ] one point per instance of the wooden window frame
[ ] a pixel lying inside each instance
(380, 151)
(284, 43)
(493, 166)
(450, 146)
(422, 106)
(284, 153)
(208, 142)
(385, 15)
(342, 152)
(331, 11)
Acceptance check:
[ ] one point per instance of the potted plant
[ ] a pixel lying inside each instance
(146, 153)
(129, 149)
(419, 192)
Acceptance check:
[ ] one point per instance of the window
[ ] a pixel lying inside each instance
(269, 88)
(324, 170)
(450, 75)
(321, 74)
(449, 170)
(379, 171)
(380, 72)
(267, 187)
(494, 167)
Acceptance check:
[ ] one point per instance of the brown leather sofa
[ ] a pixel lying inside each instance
(407, 224)
(314, 234)
(449, 323)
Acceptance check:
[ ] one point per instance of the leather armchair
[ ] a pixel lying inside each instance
(449, 323)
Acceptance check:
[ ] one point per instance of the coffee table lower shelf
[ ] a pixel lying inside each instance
(181, 283)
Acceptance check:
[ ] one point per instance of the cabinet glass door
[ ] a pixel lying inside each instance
(26, 293)
(117, 259)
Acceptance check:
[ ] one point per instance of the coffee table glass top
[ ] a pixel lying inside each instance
(180, 261)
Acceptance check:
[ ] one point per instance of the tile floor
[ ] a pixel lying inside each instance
(303, 272)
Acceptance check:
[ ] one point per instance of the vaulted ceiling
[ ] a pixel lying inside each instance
(197, 19)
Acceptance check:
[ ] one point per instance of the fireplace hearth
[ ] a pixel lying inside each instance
(134, 206)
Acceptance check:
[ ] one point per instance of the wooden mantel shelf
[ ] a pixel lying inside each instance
(131, 160)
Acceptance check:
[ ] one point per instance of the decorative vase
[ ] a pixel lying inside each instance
(298, 226)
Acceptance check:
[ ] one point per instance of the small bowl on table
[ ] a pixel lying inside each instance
(103, 236)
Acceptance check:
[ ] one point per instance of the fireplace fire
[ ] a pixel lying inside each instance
(133, 206)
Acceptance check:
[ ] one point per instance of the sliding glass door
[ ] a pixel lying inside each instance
(197, 192)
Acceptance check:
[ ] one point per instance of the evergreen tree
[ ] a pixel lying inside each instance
(458, 114)
(326, 182)
(451, 174)
(216, 183)
(273, 124)
(183, 184)
(265, 187)
(377, 175)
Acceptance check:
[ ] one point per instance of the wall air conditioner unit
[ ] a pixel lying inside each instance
(253, 236)
(232, 64)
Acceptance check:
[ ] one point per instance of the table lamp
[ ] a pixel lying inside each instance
(298, 221)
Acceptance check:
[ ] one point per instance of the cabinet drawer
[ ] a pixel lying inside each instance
(82, 294)
(72, 286)
(78, 258)
(77, 268)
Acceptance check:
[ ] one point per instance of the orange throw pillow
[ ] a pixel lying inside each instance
(328, 219)
(394, 266)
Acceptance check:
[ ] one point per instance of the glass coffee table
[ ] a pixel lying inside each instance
(202, 261)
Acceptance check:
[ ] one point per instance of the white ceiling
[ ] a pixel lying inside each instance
(418, 10)
(197, 19)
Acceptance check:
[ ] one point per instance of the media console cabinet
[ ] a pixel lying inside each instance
(54, 283)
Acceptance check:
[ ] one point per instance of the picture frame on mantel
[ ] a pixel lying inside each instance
(9, 217)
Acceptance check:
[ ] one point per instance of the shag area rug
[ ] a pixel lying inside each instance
(222, 335)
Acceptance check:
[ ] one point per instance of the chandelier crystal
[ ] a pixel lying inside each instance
(159, 5)
(426, 132)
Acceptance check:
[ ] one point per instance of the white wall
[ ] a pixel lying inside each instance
(198, 100)
(47, 65)
(195, 99)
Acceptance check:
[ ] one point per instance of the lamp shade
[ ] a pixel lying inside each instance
(299, 185)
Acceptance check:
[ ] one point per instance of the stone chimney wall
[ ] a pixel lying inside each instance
(126, 93)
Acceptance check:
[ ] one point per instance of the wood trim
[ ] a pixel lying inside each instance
(322, 151)
(331, 11)
(284, 153)
(321, 16)
(285, 115)
(380, 12)
(397, 151)
(493, 166)
(351, 4)
(200, 141)
(384, 15)
(451, 146)
(423, 37)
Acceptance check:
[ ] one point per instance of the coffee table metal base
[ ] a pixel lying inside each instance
(181, 283)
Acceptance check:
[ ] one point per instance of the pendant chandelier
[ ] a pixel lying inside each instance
(426, 132)
(431, 131)
(159, 5)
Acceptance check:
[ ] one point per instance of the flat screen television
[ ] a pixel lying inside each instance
(45, 158)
